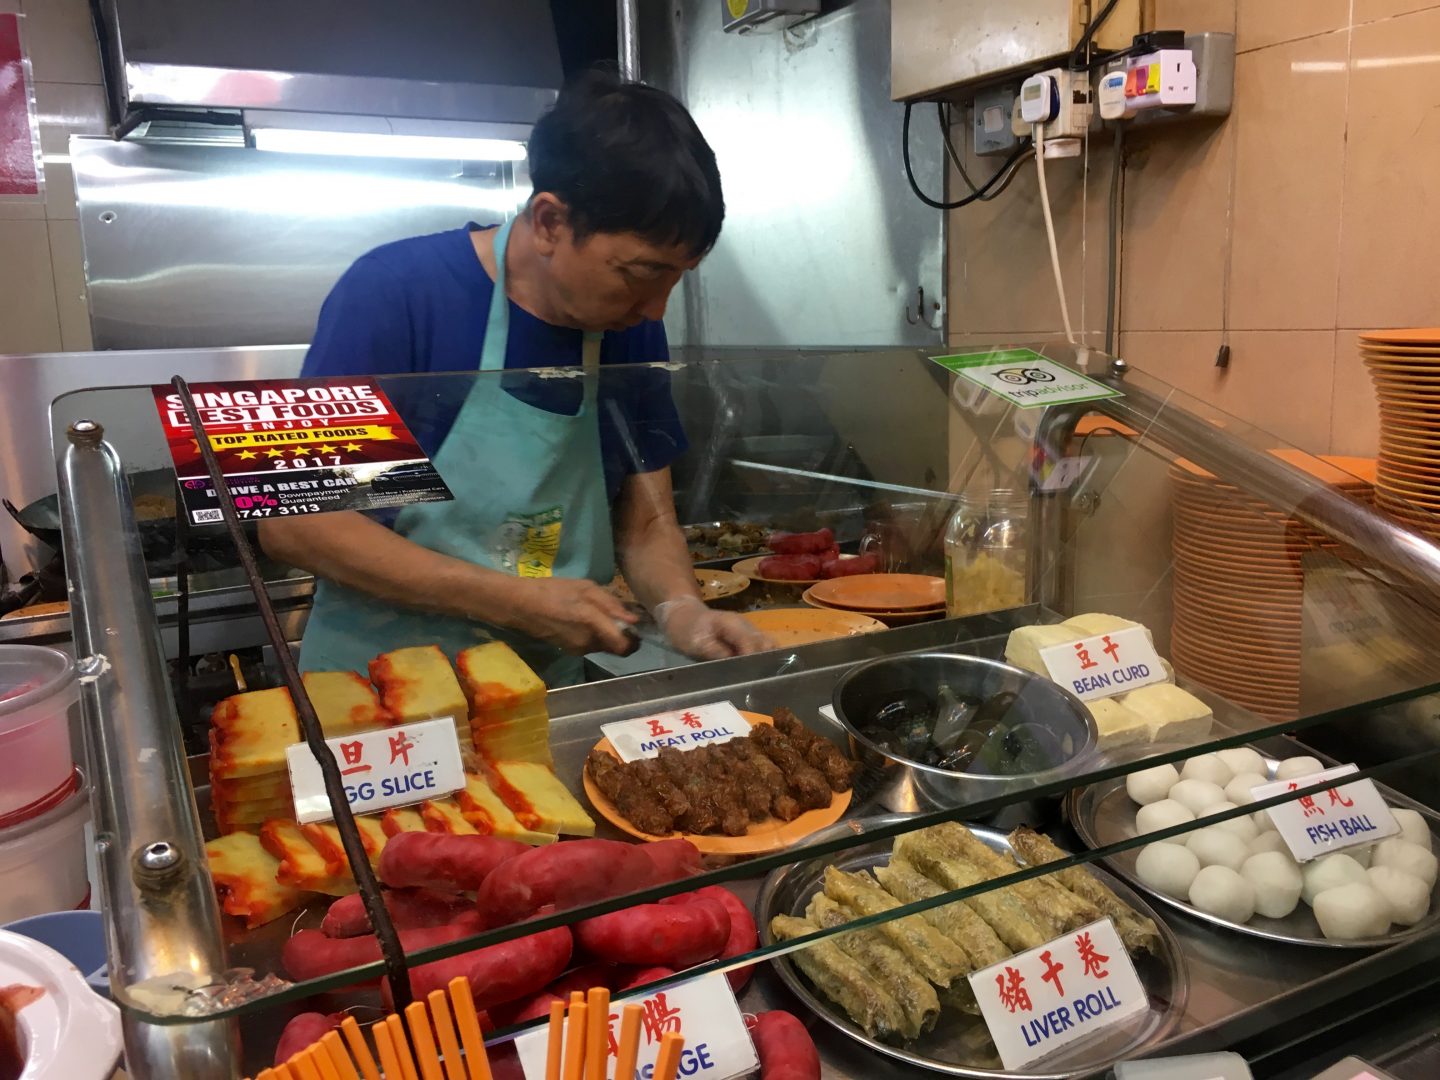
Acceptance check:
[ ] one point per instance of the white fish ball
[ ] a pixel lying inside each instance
(1413, 827)
(1406, 857)
(1221, 891)
(1330, 872)
(1167, 868)
(1263, 821)
(1290, 768)
(1213, 846)
(1349, 912)
(1362, 855)
(1151, 785)
(1238, 790)
(1208, 767)
(1161, 815)
(1242, 759)
(1242, 827)
(1270, 841)
(1195, 795)
(1277, 883)
(1406, 896)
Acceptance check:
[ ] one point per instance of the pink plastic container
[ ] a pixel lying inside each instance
(37, 688)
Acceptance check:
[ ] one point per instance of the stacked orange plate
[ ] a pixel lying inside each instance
(1405, 367)
(894, 599)
(1239, 583)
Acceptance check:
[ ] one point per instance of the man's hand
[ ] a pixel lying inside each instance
(705, 634)
(575, 615)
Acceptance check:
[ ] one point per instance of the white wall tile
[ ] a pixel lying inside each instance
(67, 255)
(61, 41)
(28, 318)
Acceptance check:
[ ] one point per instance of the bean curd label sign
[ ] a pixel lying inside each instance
(1102, 666)
(703, 1010)
(389, 767)
(683, 729)
(1338, 818)
(1038, 1001)
(297, 446)
(1024, 378)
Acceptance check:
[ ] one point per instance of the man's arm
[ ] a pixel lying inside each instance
(348, 548)
(656, 563)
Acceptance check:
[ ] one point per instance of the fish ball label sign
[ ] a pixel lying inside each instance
(296, 446)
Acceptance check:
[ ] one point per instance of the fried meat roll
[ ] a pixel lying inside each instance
(958, 921)
(934, 955)
(843, 980)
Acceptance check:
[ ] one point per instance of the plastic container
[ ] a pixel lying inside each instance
(79, 936)
(42, 861)
(986, 553)
(64, 1031)
(37, 688)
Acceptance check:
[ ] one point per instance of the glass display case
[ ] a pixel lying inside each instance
(1154, 612)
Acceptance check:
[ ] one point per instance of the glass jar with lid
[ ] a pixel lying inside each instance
(986, 546)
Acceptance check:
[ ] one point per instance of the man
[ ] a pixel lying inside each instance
(553, 479)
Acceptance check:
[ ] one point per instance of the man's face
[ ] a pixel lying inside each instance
(607, 281)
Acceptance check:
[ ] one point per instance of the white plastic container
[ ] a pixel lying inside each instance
(37, 688)
(65, 1030)
(42, 861)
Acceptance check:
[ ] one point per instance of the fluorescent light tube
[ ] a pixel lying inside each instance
(377, 144)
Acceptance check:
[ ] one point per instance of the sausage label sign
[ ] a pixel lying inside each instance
(703, 1010)
(296, 446)
(1024, 378)
(1038, 1001)
(389, 767)
(683, 729)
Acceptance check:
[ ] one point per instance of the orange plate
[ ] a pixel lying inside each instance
(774, 835)
(1418, 335)
(889, 618)
(882, 592)
(787, 626)
(714, 585)
(750, 568)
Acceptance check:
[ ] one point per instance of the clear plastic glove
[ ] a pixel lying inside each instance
(704, 634)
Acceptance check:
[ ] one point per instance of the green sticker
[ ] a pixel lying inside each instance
(1025, 378)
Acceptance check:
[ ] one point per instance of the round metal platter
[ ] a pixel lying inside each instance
(951, 1047)
(1103, 814)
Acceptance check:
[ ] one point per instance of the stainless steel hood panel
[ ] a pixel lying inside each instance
(488, 60)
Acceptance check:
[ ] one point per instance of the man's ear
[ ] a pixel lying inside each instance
(550, 222)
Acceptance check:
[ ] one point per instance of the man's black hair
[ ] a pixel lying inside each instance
(626, 157)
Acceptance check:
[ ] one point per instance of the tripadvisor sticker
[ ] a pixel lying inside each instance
(1025, 378)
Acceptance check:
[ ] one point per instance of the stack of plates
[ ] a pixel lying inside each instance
(1239, 583)
(1405, 367)
(894, 599)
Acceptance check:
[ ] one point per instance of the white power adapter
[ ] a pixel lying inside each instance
(1040, 98)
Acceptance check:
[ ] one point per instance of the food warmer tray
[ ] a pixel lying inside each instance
(788, 890)
(1103, 814)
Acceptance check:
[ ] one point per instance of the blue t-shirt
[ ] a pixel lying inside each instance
(421, 305)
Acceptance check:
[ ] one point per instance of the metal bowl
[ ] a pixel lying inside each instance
(1054, 722)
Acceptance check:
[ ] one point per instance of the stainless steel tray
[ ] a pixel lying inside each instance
(950, 1047)
(1103, 814)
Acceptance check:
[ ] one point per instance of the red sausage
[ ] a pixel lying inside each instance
(310, 954)
(567, 875)
(674, 936)
(861, 564)
(410, 909)
(744, 937)
(673, 859)
(644, 977)
(500, 973)
(790, 567)
(442, 860)
(784, 1047)
(811, 543)
(302, 1031)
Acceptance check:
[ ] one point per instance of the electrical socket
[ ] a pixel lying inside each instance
(991, 121)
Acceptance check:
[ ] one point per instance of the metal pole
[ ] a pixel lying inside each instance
(162, 920)
(627, 19)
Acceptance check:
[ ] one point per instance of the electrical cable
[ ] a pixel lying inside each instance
(1039, 139)
(960, 168)
(1080, 58)
(984, 189)
(1112, 267)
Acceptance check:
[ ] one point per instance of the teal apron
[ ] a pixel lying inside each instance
(530, 500)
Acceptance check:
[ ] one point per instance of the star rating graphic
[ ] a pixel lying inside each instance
(248, 455)
(326, 449)
(273, 453)
(353, 447)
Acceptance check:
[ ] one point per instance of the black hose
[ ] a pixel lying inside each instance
(977, 195)
(1117, 182)
(1080, 59)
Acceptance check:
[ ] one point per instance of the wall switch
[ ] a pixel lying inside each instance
(991, 121)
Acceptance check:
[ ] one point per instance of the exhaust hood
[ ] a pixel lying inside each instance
(491, 65)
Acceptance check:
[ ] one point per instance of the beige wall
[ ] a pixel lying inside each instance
(42, 275)
(1312, 213)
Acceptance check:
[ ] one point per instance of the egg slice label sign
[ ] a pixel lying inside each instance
(388, 767)
(1037, 1001)
(1346, 816)
(1102, 666)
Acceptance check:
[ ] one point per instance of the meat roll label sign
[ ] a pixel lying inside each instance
(297, 446)
(683, 729)
(1037, 1001)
